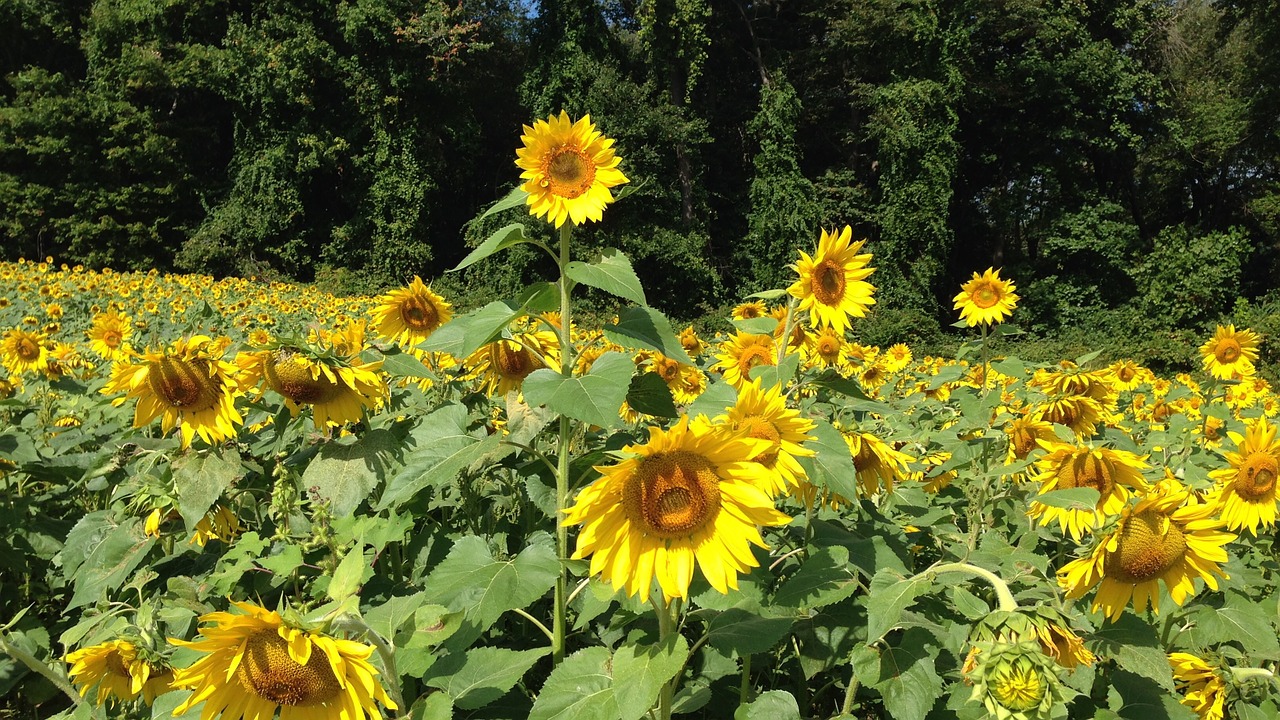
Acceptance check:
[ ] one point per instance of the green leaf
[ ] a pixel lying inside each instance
(611, 273)
(594, 398)
(889, 596)
(1082, 498)
(772, 705)
(402, 364)
(470, 579)
(464, 334)
(349, 575)
(110, 560)
(773, 294)
(909, 682)
(649, 394)
(1134, 645)
(513, 199)
(746, 633)
(757, 326)
(715, 400)
(781, 374)
(201, 478)
(832, 461)
(640, 671)
(447, 449)
(648, 329)
(824, 579)
(500, 240)
(347, 470)
(485, 675)
(1245, 623)
(436, 706)
(580, 689)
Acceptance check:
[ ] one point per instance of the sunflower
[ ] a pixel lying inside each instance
(410, 314)
(117, 670)
(109, 335)
(568, 169)
(750, 310)
(764, 415)
(687, 495)
(186, 385)
(986, 299)
(686, 382)
(338, 392)
(1169, 535)
(875, 462)
(742, 352)
(22, 351)
(691, 343)
(1078, 412)
(504, 364)
(218, 524)
(1024, 433)
(1111, 472)
(1247, 489)
(1127, 375)
(833, 283)
(896, 357)
(1230, 353)
(829, 350)
(255, 664)
(1203, 689)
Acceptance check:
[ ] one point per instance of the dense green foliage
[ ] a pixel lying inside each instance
(1113, 157)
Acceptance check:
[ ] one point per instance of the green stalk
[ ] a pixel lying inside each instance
(34, 664)
(1004, 596)
(562, 457)
(666, 627)
(744, 692)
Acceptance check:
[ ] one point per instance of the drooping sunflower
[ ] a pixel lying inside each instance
(109, 335)
(1247, 489)
(1230, 353)
(691, 343)
(876, 463)
(409, 315)
(1168, 535)
(1078, 412)
(764, 415)
(1203, 689)
(22, 351)
(256, 664)
(568, 168)
(503, 365)
(986, 299)
(742, 352)
(685, 497)
(1113, 473)
(188, 385)
(337, 392)
(220, 524)
(833, 283)
(1024, 433)
(118, 672)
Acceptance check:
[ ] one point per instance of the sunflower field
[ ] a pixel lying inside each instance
(245, 500)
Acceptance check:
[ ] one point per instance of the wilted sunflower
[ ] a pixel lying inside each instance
(218, 524)
(1203, 689)
(109, 335)
(1078, 412)
(742, 352)
(764, 415)
(187, 385)
(1230, 353)
(986, 299)
(503, 364)
(833, 283)
(410, 314)
(687, 496)
(1247, 489)
(337, 392)
(1111, 472)
(568, 169)
(22, 351)
(1025, 432)
(116, 669)
(1169, 535)
(256, 664)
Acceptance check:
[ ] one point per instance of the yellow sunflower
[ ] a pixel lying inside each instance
(109, 335)
(986, 299)
(256, 664)
(568, 168)
(685, 497)
(1078, 412)
(686, 382)
(829, 350)
(410, 314)
(117, 670)
(742, 352)
(503, 364)
(187, 385)
(1168, 535)
(1230, 353)
(1111, 472)
(691, 343)
(764, 415)
(218, 524)
(833, 283)
(338, 393)
(750, 310)
(1128, 375)
(22, 351)
(1247, 489)
(1203, 689)
(876, 462)
(1024, 433)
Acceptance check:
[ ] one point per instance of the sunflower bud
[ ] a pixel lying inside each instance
(1013, 679)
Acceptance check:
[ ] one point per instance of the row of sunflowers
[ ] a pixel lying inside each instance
(502, 513)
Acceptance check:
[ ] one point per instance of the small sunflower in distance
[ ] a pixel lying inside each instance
(109, 335)
(1230, 353)
(986, 299)
(833, 283)
(568, 168)
(256, 664)
(410, 314)
(1247, 489)
(118, 672)
(686, 497)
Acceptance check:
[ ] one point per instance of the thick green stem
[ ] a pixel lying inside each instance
(846, 708)
(34, 664)
(1243, 674)
(562, 457)
(1004, 597)
(666, 612)
(744, 691)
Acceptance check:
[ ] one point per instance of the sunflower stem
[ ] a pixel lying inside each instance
(40, 668)
(667, 625)
(850, 692)
(1243, 674)
(562, 456)
(744, 691)
(1004, 596)
(788, 325)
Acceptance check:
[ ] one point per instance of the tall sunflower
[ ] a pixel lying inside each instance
(742, 352)
(1169, 535)
(187, 385)
(118, 671)
(337, 392)
(409, 315)
(685, 497)
(764, 415)
(986, 299)
(1111, 472)
(1247, 489)
(833, 283)
(22, 351)
(256, 664)
(109, 335)
(1230, 353)
(568, 168)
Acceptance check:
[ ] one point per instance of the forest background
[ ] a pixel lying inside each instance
(1120, 160)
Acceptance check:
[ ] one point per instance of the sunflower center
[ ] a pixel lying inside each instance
(753, 356)
(761, 428)
(1256, 480)
(669, 371)
(674, 494)
(269, 672)
(115, 663)
(1024, 441)
(569, 171)
(111, 338)
(828, 282)
(180, 385)
(1019, 689)
(1228, 351)
(985, 296)
(1126, 374)
(27, 349)
(1148, 546)
(1087, 470)
(419, 313)
(513, 361)
(295, 381)
(828, 348)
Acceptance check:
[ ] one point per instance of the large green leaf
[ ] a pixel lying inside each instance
(889, 596)
(350, 574)
(513, 199)
(500, 240)
(648, 329)
(611, 273)
(580, 689)
(826, 577)
(401, 364)
(640, 671)
(772, 705)
(471, 579)
(485, 675)
(112, 557)
(715, 400)
(649, 393)
(1135, 646)
(347, 470)
(907, 679)
(445, 449)
(594, 398)
(832, 461)
(201, 478)
(1082, 498)
(746, 633)
(464, 334)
